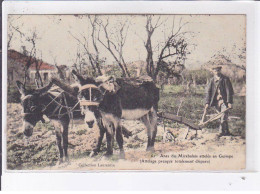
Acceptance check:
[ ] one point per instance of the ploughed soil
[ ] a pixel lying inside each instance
(40, 150)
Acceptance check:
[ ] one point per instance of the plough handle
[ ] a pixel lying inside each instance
(204, 114)
(214, 118)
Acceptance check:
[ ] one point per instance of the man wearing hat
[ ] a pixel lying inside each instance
(219, 94)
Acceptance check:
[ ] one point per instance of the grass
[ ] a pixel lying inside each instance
(191, 105)
(81, 132)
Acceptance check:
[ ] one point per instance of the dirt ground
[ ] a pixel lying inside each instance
(40, 151)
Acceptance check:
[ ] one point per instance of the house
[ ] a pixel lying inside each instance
(16, 64)
(46, 71)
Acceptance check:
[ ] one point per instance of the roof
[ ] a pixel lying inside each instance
(43, 66)
(22, 59)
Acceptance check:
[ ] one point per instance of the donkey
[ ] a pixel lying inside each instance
(128, 101)
(39, 102)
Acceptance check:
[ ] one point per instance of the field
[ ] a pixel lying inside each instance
(40, 152)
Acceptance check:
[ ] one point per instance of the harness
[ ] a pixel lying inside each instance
(57, 100)
(59, 107)
(89, 102)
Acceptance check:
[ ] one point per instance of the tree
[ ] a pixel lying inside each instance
(238, 56)
(93, 21)
(12, 30)
(114, 41)
(174, 48)
(93, 57)
(38, 64)
(59, 69)
(235, 56)
(32, 57)
(31, 54)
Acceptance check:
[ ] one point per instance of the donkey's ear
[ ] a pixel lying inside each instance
(79, 77)
(76, 90)
(20, 87)
(45, 89)
(74, 72)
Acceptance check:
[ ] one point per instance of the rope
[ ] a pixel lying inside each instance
(53, 99)
(59, 107)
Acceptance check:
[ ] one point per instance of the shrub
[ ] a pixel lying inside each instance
(198, 76)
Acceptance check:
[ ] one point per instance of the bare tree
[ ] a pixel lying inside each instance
(235, 56)
(60, 73)
(148, 44)
(31, 56)
(38, 64)
(88, 53)
(12, 30)
(9, 39)
(93, 58)
(94, 31)
(174, 48)
(114, 42)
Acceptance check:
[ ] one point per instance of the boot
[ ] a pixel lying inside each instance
(224, 129)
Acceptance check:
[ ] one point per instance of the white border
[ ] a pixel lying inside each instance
(149, 180)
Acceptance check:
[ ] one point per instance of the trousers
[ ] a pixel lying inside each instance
(223, 128)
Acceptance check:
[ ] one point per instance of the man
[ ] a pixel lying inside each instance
(219, 94)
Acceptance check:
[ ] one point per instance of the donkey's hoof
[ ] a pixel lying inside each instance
(92, 154)
(108, 154)
(67, 160)
(60, 161)
(150, 149)
(122, 155)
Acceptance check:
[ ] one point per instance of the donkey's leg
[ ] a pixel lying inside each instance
(100, 138)
(153, 122)
(120, 141)
(147, 124)
(65, 125)
(110, 139)
(59, 139)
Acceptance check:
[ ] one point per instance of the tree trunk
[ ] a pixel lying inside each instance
(149, 58)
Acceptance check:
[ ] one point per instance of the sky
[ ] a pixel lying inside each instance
(207, 35)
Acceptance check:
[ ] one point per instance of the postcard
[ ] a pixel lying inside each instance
(126, 92)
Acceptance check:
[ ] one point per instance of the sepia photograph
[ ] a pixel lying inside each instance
(154, 92)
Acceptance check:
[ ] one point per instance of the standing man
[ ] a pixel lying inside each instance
(219, 94)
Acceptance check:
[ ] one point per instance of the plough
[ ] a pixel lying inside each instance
(179, 119)
(187, 122)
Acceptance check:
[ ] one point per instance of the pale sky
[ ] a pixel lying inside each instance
(212, 33)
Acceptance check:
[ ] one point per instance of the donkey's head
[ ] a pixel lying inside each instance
(89, 96)
(32, 106)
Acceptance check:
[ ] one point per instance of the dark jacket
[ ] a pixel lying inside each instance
(226, 91)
